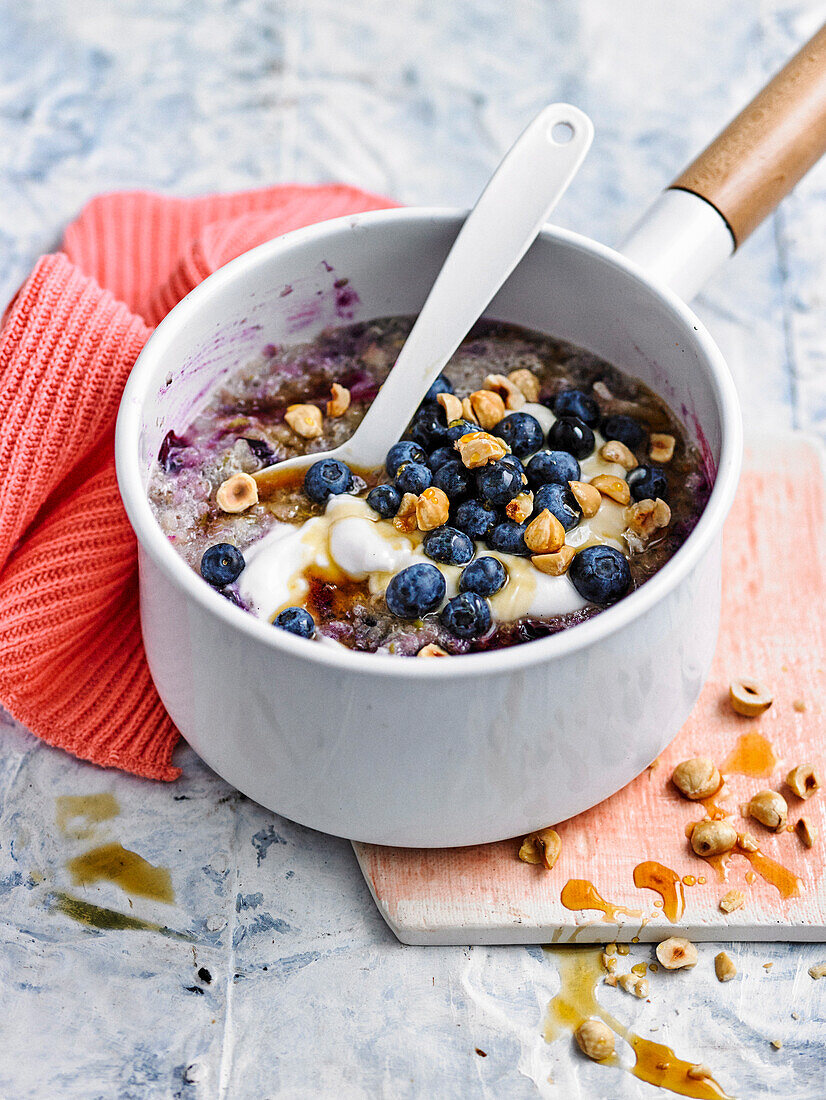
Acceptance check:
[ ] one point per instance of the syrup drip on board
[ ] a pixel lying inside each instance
(580, 970)
(579, 893)
(752, 755)
(667, 883)
(126, 869)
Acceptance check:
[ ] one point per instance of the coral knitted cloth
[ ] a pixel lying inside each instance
(72, 666)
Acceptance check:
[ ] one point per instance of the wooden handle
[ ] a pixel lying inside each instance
(772, 143)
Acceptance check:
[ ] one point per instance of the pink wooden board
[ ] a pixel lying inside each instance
(774, 603)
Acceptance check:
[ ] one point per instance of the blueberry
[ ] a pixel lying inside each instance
(647, 483)
(508, 538)
(403, 452)
(484, 576)
(552, 466)
(579, 404)
(466, 615)
(475, 518)
(522, 433)
(441, 385)
(327, 478)
(440, 456)
(221, 564)
(453, 479)
(513, 463)
(624, 428)
(415, 591)
(448, 545)
(600, 574)
(384, 499)
(295, 620)
(413, 477)
(457, 428)
(560, 502)
(571, 434)
(498, 482)
(428, 427)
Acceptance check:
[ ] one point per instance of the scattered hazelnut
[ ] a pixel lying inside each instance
(526, 381)
(734, 899)
(747, 842)
(339, 401)
(432, 650)
(467, 411)
(554, 564)
(237, 493)
(677, 953)
(712, 838)
(804, 781)
(614, 487)
(615, 451)
(507, 390)
(544, 534)
(587, 497)
(452, 406)
(609, 962)
(479, 448)
(488, 408)
(749, 697)
(817, 971)
(661, 447)
(542, 847)
(305, 420)
(806, 831)
(405, 519)
(432, 508)
(696, 778)
(520, 507)
(633, 984)
(647, 516)
(769, 808)
(724, 968)
(777, 1044)
(611, 979)
(595, 1039)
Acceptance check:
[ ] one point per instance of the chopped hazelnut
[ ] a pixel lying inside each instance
(554, 565)
(609, 962)
(661, 447)
(747, 842)
(806, 831)
(696, 778)
(237, 493)
(542, 847)
(587, 497)
(488, 408)
(615, 451)
(467, 411)
(339, 401)
(611, 979)
(804, 781)
(405, 519)
(520, 507)
(595, 1039)
(507, 390)
(614, 487)
(734, 899)
(677, 953)
(631, 983)
(432, 650)
(770, 809)
(712, 838)
(544, 534)
(526, 381)
(452, 406)
(724, 968)
(479, 448)
(647, 516)
(817, 971)
(432, 508)
(749, 697)
(305, 420)
(777, 1044)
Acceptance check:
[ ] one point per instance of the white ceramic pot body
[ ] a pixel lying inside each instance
(431, 753)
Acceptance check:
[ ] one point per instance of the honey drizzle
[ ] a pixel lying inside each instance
(651, 875)
(580, 970)
(784, 881)
(579, 893)
(752, 755)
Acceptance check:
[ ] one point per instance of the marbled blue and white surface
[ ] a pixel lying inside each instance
(309, 994)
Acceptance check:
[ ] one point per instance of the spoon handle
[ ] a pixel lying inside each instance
(497, 233)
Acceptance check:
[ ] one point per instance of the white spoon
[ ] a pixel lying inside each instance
(527, 185)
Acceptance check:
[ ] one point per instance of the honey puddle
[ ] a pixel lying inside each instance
(580, 970)
(665, 882)
(752, 755)
(579, 893)
(77, 815)
(131, 872)
(106, 920)
(784, 881)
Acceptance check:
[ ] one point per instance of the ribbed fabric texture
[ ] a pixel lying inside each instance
(72, 666)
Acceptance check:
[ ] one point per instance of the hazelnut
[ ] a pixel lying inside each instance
(339, 401)
(432, 650)
(734, 899)
(747, 842)
(614, 487)
(677, 953)
(661, 447)
(696, 778)
(479, 448)
(305, 420)
(452, 406)
(526, 381)
(609, 962)
(520, 507)
(507, 390)
(770, 809)
(544, 534)
(817, 971)
(611, 979)
(614, 451)
(647, 516)
(554, 564)
(631, 983)
(237, 493)
(405, 519)
(712, 838)
(467, 411)
(724, 968)
(488, 408)
(432, 508)
(804, 781)
(806, 831)
(587, 497)
(541, 847)
(595, 1039)
(749, 697)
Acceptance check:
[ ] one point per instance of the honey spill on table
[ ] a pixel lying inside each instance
(126, 869)
(752, 755)
(108, 920)
(77, 815)
(651, 875)
(580, 970)
(579, 893)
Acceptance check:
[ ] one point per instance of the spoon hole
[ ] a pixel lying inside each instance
(562, 133)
